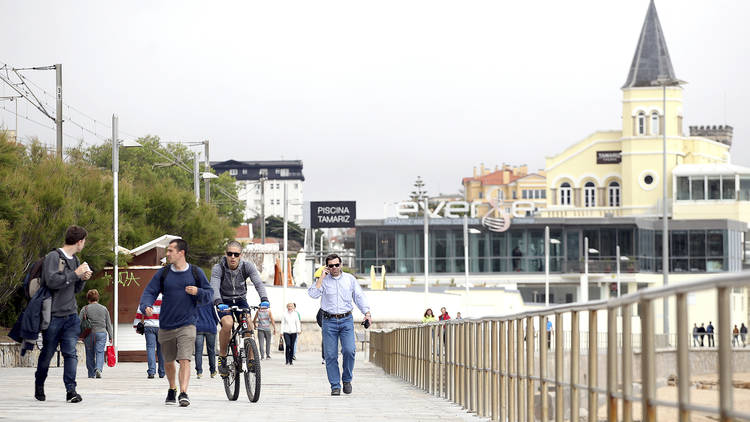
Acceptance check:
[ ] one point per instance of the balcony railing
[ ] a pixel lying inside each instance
(496, 366)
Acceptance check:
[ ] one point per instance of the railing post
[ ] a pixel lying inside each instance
(543, 367)
(683, 364)
(495, 394)
(529, 369)
(648, 355)
(462, 367)
(488, 386)
(725, 356)
(520, 393)
(471, 362)
(451, 377)
(512, 373)
(611, 364)
(559, 367)
(593, 359)
(504, 371)
(627, 364)
(575, 355)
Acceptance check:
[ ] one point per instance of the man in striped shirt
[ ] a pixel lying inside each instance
(151, 332)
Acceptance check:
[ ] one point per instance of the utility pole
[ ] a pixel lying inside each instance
(115, 190)
(196, 183)
(59, 113)
(207, 168)
(262, 210)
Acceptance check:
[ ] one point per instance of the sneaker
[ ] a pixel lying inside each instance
(73, 397)
(184, 400)
(213, 374)
(150, 376)
(200, 375)
(347, 388)
(223, 369)
(336, 392)
(171, 396)
(39, 393)
(98, 374)
(324, 361)
(268, 356)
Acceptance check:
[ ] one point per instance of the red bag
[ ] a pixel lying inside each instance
(111, 356)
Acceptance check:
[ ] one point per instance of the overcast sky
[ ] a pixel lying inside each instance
(372, 94)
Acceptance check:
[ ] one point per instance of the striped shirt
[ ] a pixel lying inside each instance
(149, 321)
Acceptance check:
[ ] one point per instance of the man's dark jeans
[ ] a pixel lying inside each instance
(63, 331)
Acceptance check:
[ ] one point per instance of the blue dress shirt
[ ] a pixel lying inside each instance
(337, 294)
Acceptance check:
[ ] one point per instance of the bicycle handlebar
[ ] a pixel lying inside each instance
(238, 309)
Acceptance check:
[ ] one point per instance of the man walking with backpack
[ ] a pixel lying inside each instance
(64, 276)
(184, 288)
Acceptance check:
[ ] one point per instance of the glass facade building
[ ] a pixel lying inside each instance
(696, 246)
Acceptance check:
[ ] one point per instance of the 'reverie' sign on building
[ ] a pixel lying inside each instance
(332, 214)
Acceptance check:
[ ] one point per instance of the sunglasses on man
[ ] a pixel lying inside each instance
(234, 254)
(333, 265)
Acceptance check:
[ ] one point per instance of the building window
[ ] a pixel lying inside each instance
(654, 123)
(727, 187)
(233, 172)
(744, 189)
(244, 171)
(481, 195)
(515, 196)
(544, 194)
(698, 188)
(714, 188)
(641, 124)
(589, 195)
(649, 179)
(565, 193)
(296, 186)
(277, 186)
(614, 194)
(524, 194)
(683, 188)
(263, 172)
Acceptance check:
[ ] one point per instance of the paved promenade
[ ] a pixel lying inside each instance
(296, 393)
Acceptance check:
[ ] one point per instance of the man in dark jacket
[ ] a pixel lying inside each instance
(229, 283)
(64, 277)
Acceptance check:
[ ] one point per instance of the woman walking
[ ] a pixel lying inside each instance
(290, 326)
(263, 322)
(101, 326)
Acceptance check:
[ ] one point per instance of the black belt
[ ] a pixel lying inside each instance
(337, 316)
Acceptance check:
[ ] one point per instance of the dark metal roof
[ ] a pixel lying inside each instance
(651, 60)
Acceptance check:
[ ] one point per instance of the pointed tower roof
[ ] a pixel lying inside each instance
(651, 60)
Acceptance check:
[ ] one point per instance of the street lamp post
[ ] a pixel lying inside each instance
(115, 190)
(547, 242)
(619, 259)
(585, 281)
(664, 82)
(426, 251)
(467, 230)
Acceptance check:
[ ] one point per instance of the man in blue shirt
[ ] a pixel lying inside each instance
(338, 290)
(184, 288)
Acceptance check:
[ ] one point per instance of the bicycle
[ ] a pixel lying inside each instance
(242, 357)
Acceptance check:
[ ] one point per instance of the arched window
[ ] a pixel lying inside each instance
(589, 195)
(614, 194)
(654, 123)
(640, 124)
(565, 193)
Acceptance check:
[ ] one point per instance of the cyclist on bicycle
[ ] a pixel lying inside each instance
(229, 282)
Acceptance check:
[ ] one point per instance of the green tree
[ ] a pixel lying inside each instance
(40, 196)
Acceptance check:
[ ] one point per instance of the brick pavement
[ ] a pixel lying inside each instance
(297, 393)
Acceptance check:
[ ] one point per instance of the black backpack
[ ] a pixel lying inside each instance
(32, 281)
(165, 270)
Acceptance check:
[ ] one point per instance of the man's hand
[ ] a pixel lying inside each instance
(149, 311)
(191, 290)
(323, 275)
(368, 317)
(83, 271)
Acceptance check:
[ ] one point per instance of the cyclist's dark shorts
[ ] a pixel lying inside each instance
(240, 302)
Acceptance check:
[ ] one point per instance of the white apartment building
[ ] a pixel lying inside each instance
(260, 182)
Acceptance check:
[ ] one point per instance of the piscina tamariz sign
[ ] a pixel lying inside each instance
(333, 214)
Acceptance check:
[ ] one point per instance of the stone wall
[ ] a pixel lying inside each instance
(10, 356)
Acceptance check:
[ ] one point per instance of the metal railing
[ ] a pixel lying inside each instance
(493, 367)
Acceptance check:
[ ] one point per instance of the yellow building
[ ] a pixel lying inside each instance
(505, 186)
(620, 172)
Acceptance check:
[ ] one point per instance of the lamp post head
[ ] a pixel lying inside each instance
(554, 241)
(209, 175)
(127, 143)
(592, 250)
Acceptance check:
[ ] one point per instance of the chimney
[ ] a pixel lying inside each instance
(481, 166)
(475, 171)
(721, 133)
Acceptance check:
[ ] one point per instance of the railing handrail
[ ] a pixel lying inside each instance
(716, 281)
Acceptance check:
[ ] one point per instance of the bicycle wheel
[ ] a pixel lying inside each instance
(252, 374)
(232, 380)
